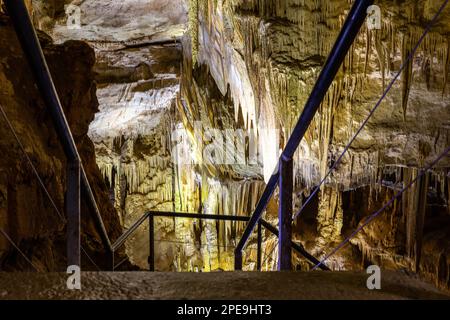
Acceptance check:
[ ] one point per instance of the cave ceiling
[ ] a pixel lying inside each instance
(127, 21)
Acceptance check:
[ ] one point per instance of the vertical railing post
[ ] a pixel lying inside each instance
(347, 35)
(111, 263)
(151, 228)
(259, 254)
(237, 260)
(73, 212)
(285, 214)
(26, 34)
(420, 220)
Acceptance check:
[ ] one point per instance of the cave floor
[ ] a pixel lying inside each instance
(225, 285)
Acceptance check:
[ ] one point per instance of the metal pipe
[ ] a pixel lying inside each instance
(260, 207)
(32, 49)
(30, 44)
(198, 216)
(285, 186)
(347, 36)
(352, 25)
(151, 230)
(295, 246)
(130, 230)
(93, 203)
(262, 222)
(138, 222)
(73, 207)
(259, 251)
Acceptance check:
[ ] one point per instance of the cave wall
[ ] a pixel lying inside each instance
(247, 44)
(134, 132)
(264, 58)
(26, 213)
(249, 66)
(137, 71)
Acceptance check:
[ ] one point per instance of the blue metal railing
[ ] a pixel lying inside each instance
(352, 25)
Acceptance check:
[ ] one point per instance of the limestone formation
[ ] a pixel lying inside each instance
(197, 98)
(26, 213)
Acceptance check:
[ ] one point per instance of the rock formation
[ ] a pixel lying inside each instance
(27, 214)
(264, 57)
(198, 97)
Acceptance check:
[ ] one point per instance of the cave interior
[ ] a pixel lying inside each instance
(193, 107)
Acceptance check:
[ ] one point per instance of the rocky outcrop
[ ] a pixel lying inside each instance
(26, 212)
(132, 133)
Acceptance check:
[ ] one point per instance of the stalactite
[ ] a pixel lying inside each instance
(407, 73)
(277, 61)
(329, 217)
(193, 29)
(446, 66)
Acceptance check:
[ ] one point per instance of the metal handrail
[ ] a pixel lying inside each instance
(33, 51)
(129, 232)
(150, 214)
(31, 46)
(296, 246)
(340, 49)
(139, 221)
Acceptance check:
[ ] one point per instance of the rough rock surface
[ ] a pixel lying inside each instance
(137, 69)
(128, 22)
(26, 214)
(234, 286)
(132, 133)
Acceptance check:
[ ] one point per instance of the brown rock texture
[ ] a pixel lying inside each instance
(26, 213)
